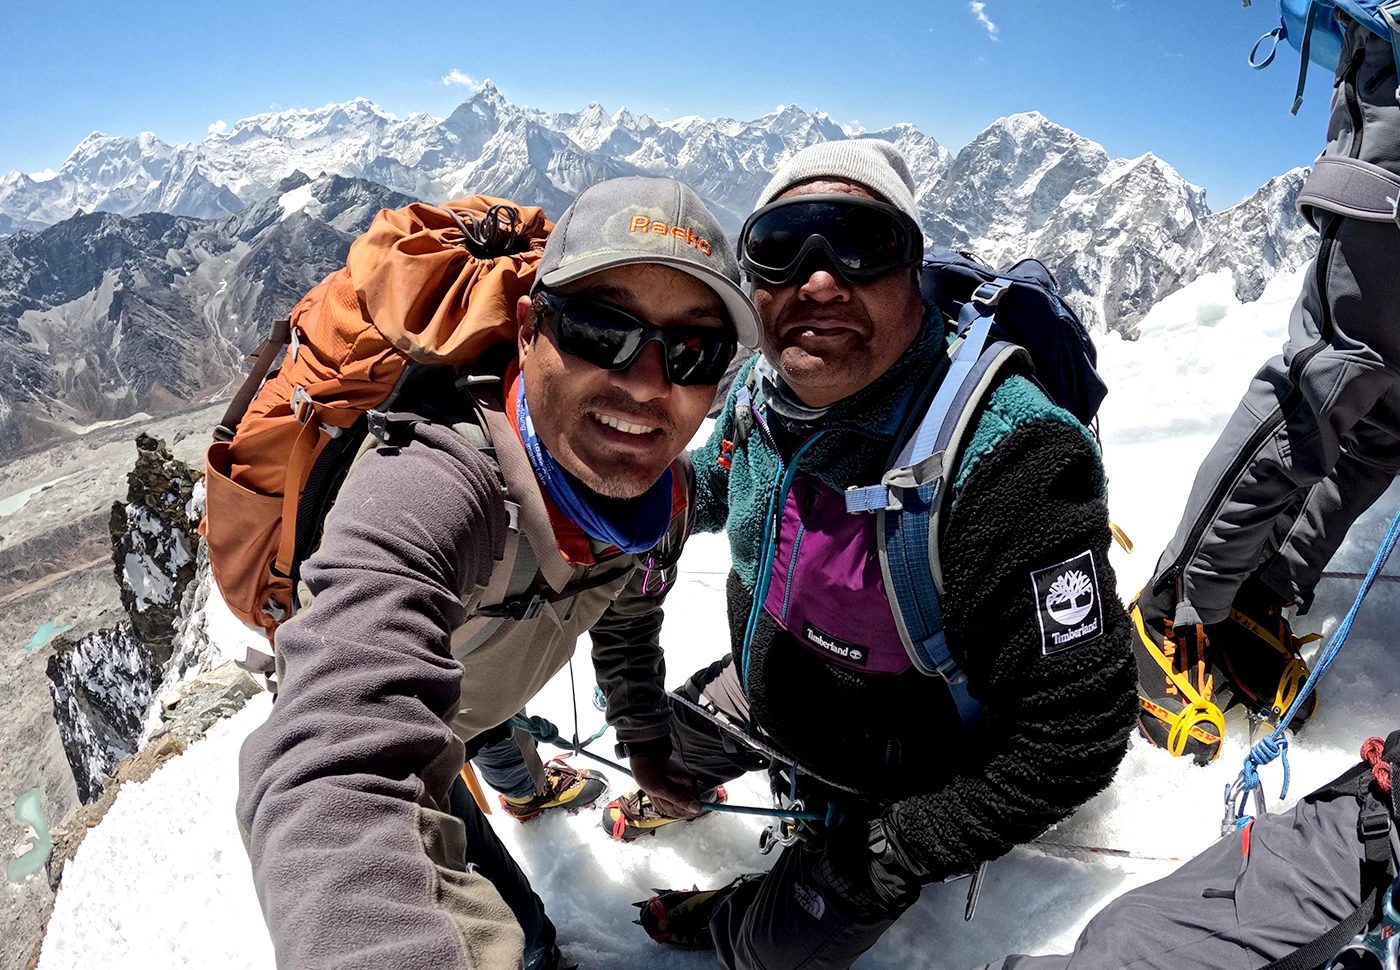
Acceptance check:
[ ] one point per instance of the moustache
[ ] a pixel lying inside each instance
(802, 312)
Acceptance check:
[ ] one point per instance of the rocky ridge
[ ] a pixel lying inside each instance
(103, 683)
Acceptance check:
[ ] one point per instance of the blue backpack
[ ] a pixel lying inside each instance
(1312, 29)
(1008, 320)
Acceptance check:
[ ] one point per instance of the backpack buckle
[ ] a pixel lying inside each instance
(1373, 826)
(872, 498)
(951, 672)
(517, 610)
(990, 294)
(302, 405)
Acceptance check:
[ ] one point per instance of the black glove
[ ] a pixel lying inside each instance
(672, 788)
(864, 864)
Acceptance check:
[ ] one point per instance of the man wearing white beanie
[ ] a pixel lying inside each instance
(819, 677)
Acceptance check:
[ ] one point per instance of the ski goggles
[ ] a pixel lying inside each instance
(862, 239)
(610, 337)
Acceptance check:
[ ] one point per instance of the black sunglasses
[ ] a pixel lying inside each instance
(862, 239)
(610, 337)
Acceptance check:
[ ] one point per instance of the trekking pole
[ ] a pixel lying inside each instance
(1275, 745)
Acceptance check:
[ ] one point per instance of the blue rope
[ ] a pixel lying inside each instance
(1275, 745)
(546, 731)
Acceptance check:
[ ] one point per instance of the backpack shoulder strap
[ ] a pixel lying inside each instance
(912, 495)
(281, 335)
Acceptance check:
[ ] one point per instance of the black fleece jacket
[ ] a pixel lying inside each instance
(1056, 724)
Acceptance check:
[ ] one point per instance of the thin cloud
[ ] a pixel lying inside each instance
(456, 77)
(979, 10)
(218, 128)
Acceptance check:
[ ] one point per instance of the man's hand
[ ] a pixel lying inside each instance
(673, 790)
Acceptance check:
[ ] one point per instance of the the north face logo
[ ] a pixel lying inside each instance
(1070, 604)
(810, 900)
(1071, 597)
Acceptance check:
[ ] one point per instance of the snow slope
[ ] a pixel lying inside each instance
(163, 882)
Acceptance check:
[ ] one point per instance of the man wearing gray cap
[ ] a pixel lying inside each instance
(548, 483)
(920, 778)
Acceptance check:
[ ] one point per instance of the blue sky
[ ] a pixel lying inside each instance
(1166, 76)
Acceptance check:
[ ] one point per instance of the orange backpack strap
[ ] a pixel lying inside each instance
(280, 336)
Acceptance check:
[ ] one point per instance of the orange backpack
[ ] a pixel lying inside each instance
(434, 285)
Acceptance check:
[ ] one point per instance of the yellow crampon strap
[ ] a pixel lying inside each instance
(1198, 710)
(1259, 631)
(1121, 537)
(1295, 675)
(1268, 637)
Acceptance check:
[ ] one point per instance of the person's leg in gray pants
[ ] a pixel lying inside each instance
(1250, 899)
(1339, 368)
(1308, 535)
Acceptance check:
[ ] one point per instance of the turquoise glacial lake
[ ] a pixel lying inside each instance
(30, 811)
(44, 634)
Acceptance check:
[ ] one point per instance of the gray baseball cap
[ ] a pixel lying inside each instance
(623, 221)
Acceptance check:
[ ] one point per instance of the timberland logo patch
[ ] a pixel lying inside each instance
(810, 900)
(852, 652)
(1071, 609)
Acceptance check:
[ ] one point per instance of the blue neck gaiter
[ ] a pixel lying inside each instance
(640, 533)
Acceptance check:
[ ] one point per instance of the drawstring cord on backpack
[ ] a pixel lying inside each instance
(498, 234)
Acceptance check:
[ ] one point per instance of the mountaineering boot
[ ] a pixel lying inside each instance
(681, 917)
(1261, 657)
(569, 787)
(1175, 687)
(632, 815)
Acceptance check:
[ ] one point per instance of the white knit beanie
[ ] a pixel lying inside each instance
(873, 163)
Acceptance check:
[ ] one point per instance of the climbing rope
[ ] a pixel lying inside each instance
(546, 732)
(1275, 745)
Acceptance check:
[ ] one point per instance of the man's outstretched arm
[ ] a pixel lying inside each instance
(343, 791)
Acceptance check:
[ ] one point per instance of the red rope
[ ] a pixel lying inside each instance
(1373, 750)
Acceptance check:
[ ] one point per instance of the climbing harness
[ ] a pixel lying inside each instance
(1275, 744)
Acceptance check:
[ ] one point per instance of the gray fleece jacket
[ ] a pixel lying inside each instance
(343, 791)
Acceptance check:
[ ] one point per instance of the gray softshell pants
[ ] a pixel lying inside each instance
(1316, 439)
(1249, 899)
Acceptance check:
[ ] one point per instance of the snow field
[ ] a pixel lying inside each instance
(164, 881)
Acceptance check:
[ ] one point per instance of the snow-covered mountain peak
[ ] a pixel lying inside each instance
(488, 93)
(1000, 195)
(300, 124)
(798, 128)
